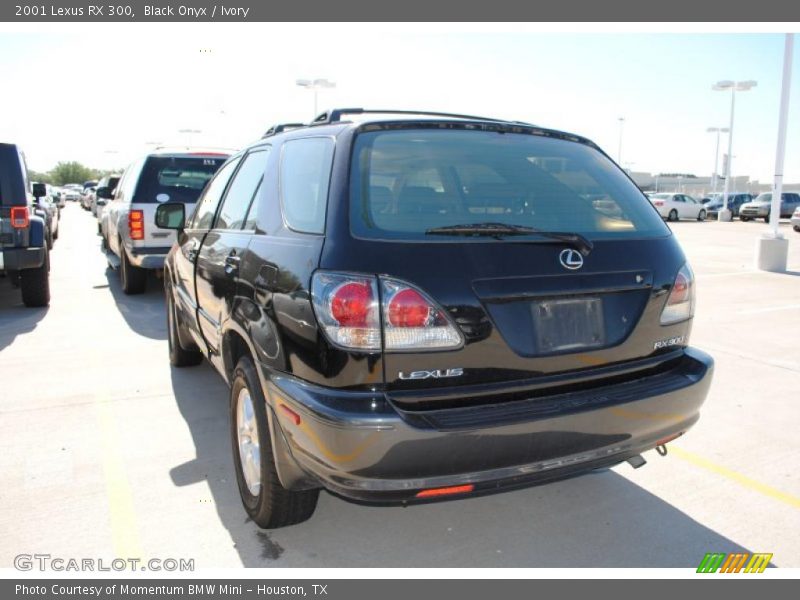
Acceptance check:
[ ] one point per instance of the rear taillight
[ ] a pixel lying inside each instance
(412, 321)
(20, 217)
(347, 307)
(136, 224)
(658, 203)
(680, 303)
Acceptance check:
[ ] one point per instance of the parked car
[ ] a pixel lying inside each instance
(735, 201)
(87, 197)
(71, 194)
(762, 206)
(135, 243)
(48, 210)
(55, 193)
(432, 311)
(24, 254)
(677, 206)
(105, 191)
(796, 219)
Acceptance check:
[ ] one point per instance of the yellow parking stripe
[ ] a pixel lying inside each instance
(743, 480)
(122, 517)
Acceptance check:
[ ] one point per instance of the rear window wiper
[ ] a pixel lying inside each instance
(500, 230)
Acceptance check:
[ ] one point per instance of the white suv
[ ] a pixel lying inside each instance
(131, 238)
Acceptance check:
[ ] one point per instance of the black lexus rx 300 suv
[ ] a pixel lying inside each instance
(410, 307)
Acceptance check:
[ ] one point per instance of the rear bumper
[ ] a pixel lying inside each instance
(17, 259)
(360, 446)
(148, 257)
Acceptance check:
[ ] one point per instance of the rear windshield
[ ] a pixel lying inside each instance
(405, 182)
(175, 179)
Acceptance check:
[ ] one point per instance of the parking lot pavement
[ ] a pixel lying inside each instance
(107, 451)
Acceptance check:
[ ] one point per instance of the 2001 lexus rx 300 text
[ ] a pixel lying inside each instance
(411, 307)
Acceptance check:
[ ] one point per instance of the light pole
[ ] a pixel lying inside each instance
(733, 86)
(619, 147)
(715, 176)
(772, 249)
(315, 85)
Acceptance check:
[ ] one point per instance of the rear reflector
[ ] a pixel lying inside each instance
(19, 217)
(446, 491)
(668, 439)
(136, 224)
(293, 415)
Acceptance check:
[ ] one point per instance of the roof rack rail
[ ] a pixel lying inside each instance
(279, 127)
(335, 114)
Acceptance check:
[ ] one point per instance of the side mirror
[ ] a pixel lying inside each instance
(39, 190)
(171, 215)
(105, 192)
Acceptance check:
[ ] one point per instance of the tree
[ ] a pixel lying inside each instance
(71, 172)
(40, 177)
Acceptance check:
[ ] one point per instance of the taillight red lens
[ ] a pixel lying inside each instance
(680, 290)
(136, 224)
(658, 203)
(408, 308)
(351, 303)
(20, 218)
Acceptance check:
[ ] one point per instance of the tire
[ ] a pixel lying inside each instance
(268, 503)
(745, 219)
(766, 219)
(701, 216)
(55, 235)
(178, 355)
(49, 240)
(133, 279)
(796, 228)
(673, 215)
(35, 284)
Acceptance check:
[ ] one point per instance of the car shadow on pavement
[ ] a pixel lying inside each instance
(598, 520)
(144, 313)
(15, 317)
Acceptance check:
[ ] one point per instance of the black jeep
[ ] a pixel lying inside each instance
(24, 255)
(412, 307)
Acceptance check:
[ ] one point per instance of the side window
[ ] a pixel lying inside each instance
(208, 202)
(128, 183)
(304, 176)
(238, 209)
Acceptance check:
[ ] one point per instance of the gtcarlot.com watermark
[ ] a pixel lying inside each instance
(48, 562)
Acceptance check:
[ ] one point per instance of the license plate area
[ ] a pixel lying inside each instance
(568, 324)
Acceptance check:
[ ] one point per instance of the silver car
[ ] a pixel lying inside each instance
(762, 205)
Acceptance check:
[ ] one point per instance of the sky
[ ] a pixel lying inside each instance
(102, 94)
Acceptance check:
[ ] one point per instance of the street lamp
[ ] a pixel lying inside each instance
(733, 86)
(315, 85)
(715, 176)
(619, 147)
(772, 249)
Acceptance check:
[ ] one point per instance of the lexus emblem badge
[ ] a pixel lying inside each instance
(570, 259)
